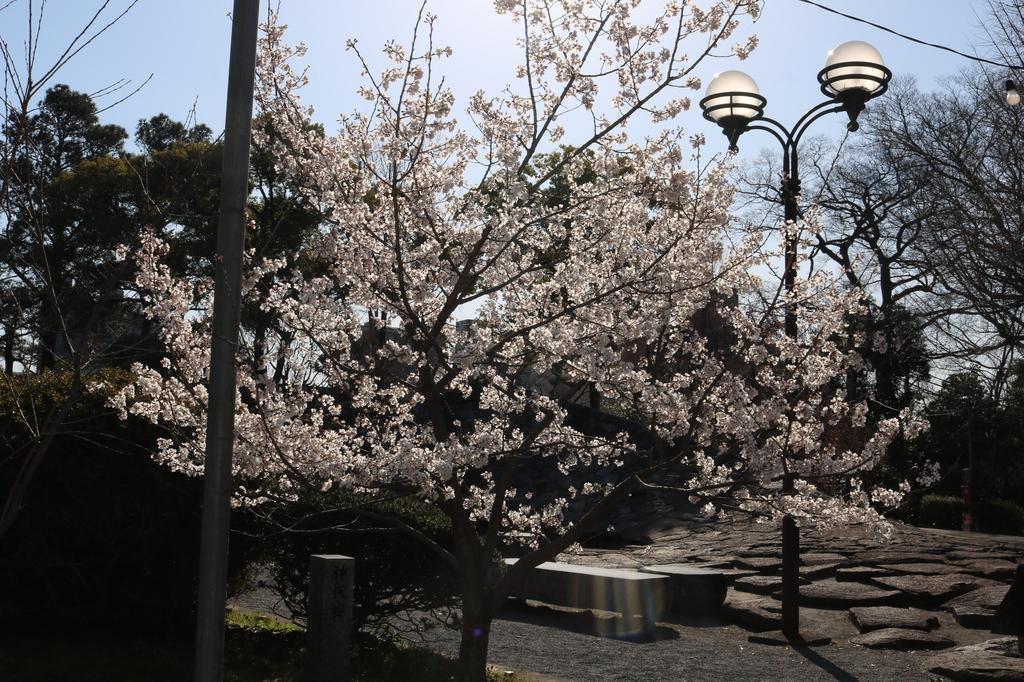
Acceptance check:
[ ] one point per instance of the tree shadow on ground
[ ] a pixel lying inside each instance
(815, 658)
(588, 622)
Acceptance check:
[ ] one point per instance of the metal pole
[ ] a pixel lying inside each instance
(972, 522)
(220, 425)
(790, 531)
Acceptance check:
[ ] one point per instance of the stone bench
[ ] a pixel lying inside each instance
(641, 598)
(695, 590)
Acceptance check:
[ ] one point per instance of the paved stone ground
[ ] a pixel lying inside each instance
(941, 588)
(926, 590)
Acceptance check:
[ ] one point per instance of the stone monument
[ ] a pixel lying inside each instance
(329, 618)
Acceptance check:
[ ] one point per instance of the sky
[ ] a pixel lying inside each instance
(184, 45)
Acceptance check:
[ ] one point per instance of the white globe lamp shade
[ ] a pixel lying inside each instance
(732, 94)
(854, 65)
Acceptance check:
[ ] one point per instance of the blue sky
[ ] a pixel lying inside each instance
(184, 44)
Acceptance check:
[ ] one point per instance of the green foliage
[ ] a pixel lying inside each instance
(398, 579)
(57, 238)
(940, 511)
(34, 392)
(255, 622)
(968, 425)
(65, 130)
(999, 516)
(161, 132)
(990, 516)
(106, 537)
(80, 195)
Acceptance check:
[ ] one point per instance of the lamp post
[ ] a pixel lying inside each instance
(853, 74)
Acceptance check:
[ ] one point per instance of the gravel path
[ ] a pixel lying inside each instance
(552, 645)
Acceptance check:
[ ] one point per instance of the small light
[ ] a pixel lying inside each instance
(732, 94)
(1012, 94)
(732, 101)
(848, 61)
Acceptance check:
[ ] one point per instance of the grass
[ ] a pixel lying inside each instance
(257, 649)
(258, 623)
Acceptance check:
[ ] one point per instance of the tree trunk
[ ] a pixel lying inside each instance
(476, 600)
(476, 631)
(885, 388)
(9, 347)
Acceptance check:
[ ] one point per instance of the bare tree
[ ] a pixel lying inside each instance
(964, 140)
(869, 215)
(44, 316)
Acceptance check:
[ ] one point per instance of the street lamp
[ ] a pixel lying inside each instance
(1012, 94)
(854, 73)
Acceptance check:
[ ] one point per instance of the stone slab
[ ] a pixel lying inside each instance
(761, 553)
(868, 618)
(818, 571)
(635, 595)
(874, 557)
(903, 639)
(996, 569)
(933, 589)
(756, 614)
(759, 584)
(716, 561)
(818, 558)
(724, 569)
(760, 564)
(762, 584)
(860, 573)
(970, 554)
(989, 597)
(686, 571)
(695, 590)
(974, 617)
(836, 594)
(922, 568)
(990, 660)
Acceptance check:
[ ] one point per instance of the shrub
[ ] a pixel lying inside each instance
(401, 585)
(991, 516)
(941, 511)
(107, 537)
(28, 392)
(999, 516)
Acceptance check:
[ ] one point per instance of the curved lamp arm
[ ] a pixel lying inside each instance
(799, 132)
(784, 141)
(810, 116)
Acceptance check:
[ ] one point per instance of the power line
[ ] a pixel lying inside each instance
(913, 39)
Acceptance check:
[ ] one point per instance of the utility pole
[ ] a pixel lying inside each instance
(220, 423)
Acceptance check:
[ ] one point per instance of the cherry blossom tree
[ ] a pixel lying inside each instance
(587, 258)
